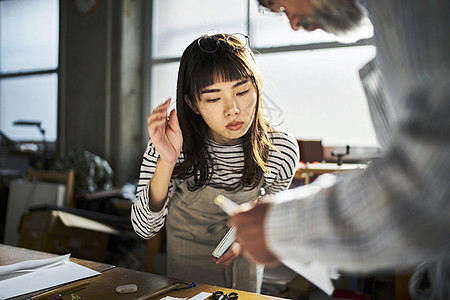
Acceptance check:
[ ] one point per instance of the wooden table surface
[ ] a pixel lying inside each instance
(104, 285)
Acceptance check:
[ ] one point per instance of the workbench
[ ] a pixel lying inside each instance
(104, 285)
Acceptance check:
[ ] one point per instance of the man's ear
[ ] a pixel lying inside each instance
(191, 105)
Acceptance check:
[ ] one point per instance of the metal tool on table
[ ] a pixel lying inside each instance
(57, 293)
(179, 285)
(219, 295)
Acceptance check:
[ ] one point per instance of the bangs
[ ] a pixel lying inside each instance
(216, 67)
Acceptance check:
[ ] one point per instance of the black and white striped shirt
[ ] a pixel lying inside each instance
(226, 159)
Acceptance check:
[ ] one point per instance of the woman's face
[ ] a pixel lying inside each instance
(228, 109)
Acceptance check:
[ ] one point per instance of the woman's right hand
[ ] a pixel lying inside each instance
(165, 133)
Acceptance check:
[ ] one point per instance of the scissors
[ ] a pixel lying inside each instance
(219, 295)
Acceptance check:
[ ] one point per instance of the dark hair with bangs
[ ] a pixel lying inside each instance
(199, 69)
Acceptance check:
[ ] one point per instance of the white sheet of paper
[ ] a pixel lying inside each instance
(20, 268)
(35, 275)
(201, 296)
(314, 271)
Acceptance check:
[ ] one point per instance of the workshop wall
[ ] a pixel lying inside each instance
(101, 62)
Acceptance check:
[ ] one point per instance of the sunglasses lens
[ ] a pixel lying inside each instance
(238, 40)
(208, 44)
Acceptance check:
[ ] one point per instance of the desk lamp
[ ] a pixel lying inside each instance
(41, 130)
(340, 155)
(32, 123)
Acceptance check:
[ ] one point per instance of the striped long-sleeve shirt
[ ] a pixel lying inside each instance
(226, 160)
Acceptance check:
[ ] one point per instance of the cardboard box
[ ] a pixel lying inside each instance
(61, 233)
(22, 196)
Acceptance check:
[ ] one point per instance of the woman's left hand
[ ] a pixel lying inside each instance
(229, 256)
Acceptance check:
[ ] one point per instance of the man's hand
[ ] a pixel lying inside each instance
(250, 233)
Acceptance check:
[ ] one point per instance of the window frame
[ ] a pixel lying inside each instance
(150, 62)
(45, 71)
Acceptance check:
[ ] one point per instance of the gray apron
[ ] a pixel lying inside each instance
(195, 225)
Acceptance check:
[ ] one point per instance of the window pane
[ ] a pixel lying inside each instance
(28, 35)
(177, 23)
(29, 98)
(274, 30)
(318, 95)
(164, 84)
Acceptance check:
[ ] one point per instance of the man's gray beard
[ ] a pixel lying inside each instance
(337, 16)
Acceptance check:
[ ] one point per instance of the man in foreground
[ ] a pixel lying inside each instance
(395, 214)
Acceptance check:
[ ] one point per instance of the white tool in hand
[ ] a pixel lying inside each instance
(226, 204)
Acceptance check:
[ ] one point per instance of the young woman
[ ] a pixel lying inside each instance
(218, 142)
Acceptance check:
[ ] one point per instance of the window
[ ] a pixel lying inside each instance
(29, 45)
(311, 80)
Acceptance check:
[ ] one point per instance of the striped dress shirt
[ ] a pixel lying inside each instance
(397, 212)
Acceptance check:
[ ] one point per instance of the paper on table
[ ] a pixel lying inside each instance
(314, 271)
(201, 296)
(35, 275)
(18, 269)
